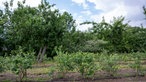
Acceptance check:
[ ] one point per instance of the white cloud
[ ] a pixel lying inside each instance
(84, 27)
(131, 10)
(105, 5)
(80, 19)
(33, 3)
(118, 11)
(87, 12)
(81, 3)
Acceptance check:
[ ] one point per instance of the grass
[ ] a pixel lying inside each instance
(38, 71)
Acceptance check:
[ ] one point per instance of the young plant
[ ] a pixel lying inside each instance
(20, 62)
(64, 61)
(109, 63)
(136, 64)
(2, 66)
(52, 70)
(4, 63)
(84, 63)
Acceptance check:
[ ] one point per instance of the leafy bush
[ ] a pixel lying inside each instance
(136, 64)
(20, 62)
(84, 63)
(109, 63)
(94, 46)
(2, 66)
(51, 72)
(64, 61)
(4, 63)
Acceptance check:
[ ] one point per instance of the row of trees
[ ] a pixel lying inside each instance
(119, 37)
(43, 28)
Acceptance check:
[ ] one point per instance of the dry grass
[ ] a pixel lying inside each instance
(38, 71)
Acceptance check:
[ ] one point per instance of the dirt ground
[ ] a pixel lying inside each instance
(124, 75)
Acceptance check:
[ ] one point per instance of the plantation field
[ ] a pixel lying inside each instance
(86, 67)
(44, 43)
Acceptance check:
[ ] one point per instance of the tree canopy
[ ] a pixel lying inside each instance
(43, 28)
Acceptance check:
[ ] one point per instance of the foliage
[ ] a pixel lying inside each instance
(74, 41)
(2, 65)
(136, 65)
(94, 46)
(120, 37)
(20, 62)
(135, 39)
(2, 35)
(40, 28)
(84, 63)
(109, 63)
(51, 72)
(64, 61)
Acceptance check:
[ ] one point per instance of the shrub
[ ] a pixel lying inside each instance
(4, 63)
(2, 66)
(109, 63)
(136, 64)
(51, 72)
(20, 62)
(64, 62)
(84, 63)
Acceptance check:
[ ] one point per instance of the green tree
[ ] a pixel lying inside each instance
(2, 34)
(116, 35)
(135, 39)
(39, 28)
(112, 33)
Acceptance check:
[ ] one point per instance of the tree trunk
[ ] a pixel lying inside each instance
(41, 54)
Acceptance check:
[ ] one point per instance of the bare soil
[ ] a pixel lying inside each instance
(123, 75)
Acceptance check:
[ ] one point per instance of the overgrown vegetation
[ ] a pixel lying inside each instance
(41, 30)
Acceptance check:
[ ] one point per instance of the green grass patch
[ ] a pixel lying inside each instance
(38, 71)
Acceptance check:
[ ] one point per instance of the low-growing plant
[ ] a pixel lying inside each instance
(109, 63)
(20, 62)
(2, 65)
(51, 73)
(84, 63)
(64, 61)
(136, 64)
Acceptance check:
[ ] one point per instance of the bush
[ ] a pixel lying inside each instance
(84, 63)
(2, 65)
(109, 63)
(136, 64)
(20, 62)
(64, 62)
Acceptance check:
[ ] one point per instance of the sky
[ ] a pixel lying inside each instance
(94, 10)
